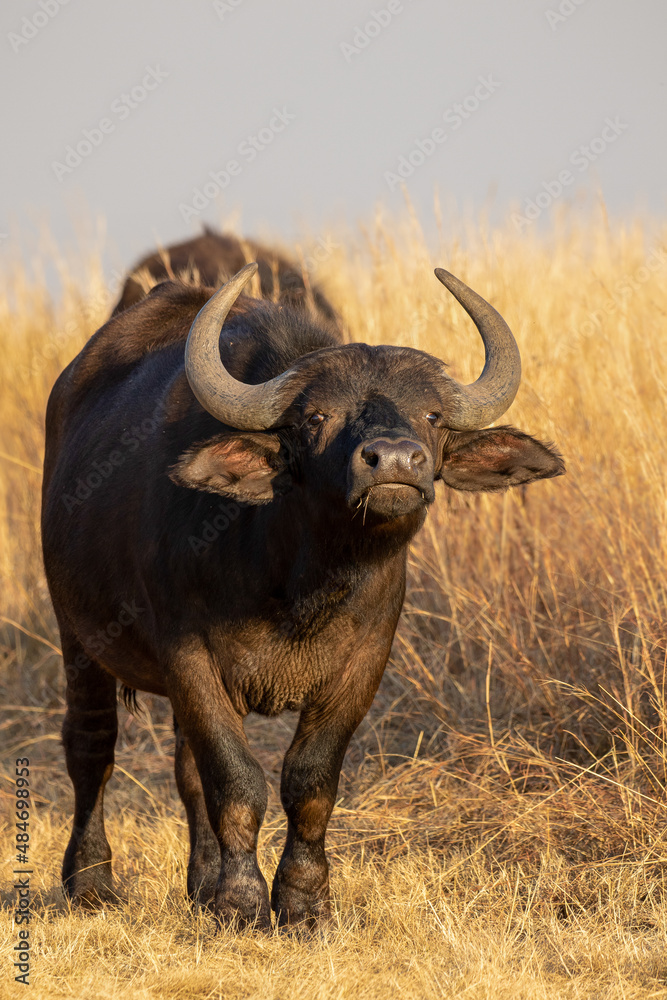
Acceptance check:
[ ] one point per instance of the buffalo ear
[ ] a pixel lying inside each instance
(494, 459)
(247, 467)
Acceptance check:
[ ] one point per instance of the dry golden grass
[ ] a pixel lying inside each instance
(501, 825)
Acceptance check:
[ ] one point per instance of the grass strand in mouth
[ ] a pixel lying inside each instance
(368, 495)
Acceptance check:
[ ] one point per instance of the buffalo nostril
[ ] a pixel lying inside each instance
(370, 457)
(418, 457)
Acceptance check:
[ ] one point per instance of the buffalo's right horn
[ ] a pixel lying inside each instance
(237, 404)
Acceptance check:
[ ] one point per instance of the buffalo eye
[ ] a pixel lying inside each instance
(315, 418)
(432, 418)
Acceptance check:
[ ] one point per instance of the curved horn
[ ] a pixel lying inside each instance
(248, 407)
(485, 400)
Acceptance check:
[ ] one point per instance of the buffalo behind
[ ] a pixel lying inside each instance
(229, 493)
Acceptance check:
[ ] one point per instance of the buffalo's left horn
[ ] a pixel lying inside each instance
(485, 400)
(237, 404)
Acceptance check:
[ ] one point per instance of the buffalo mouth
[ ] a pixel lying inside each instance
(389, 500)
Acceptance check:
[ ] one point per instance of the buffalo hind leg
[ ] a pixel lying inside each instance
(204, 861)
(234, 791)
(89, 737)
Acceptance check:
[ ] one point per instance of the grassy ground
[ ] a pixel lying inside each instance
(501, 825)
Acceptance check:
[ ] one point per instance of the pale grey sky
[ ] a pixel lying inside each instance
(315, 111)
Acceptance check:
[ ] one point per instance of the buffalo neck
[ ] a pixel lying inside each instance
(293, 548)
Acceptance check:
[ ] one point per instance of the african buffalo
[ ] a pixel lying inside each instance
(229, 493)
(212, 258)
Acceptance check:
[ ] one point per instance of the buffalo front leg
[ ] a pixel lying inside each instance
(234, 791)
(308, 787)
(204, 861)
(89, 737)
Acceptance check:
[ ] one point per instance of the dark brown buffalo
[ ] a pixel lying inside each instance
(212, 258)
(225, 523)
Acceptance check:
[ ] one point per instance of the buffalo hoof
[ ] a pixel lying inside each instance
(93, 898)
(299, 908)
(86, 875)
(257, 918)
(243, 901)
